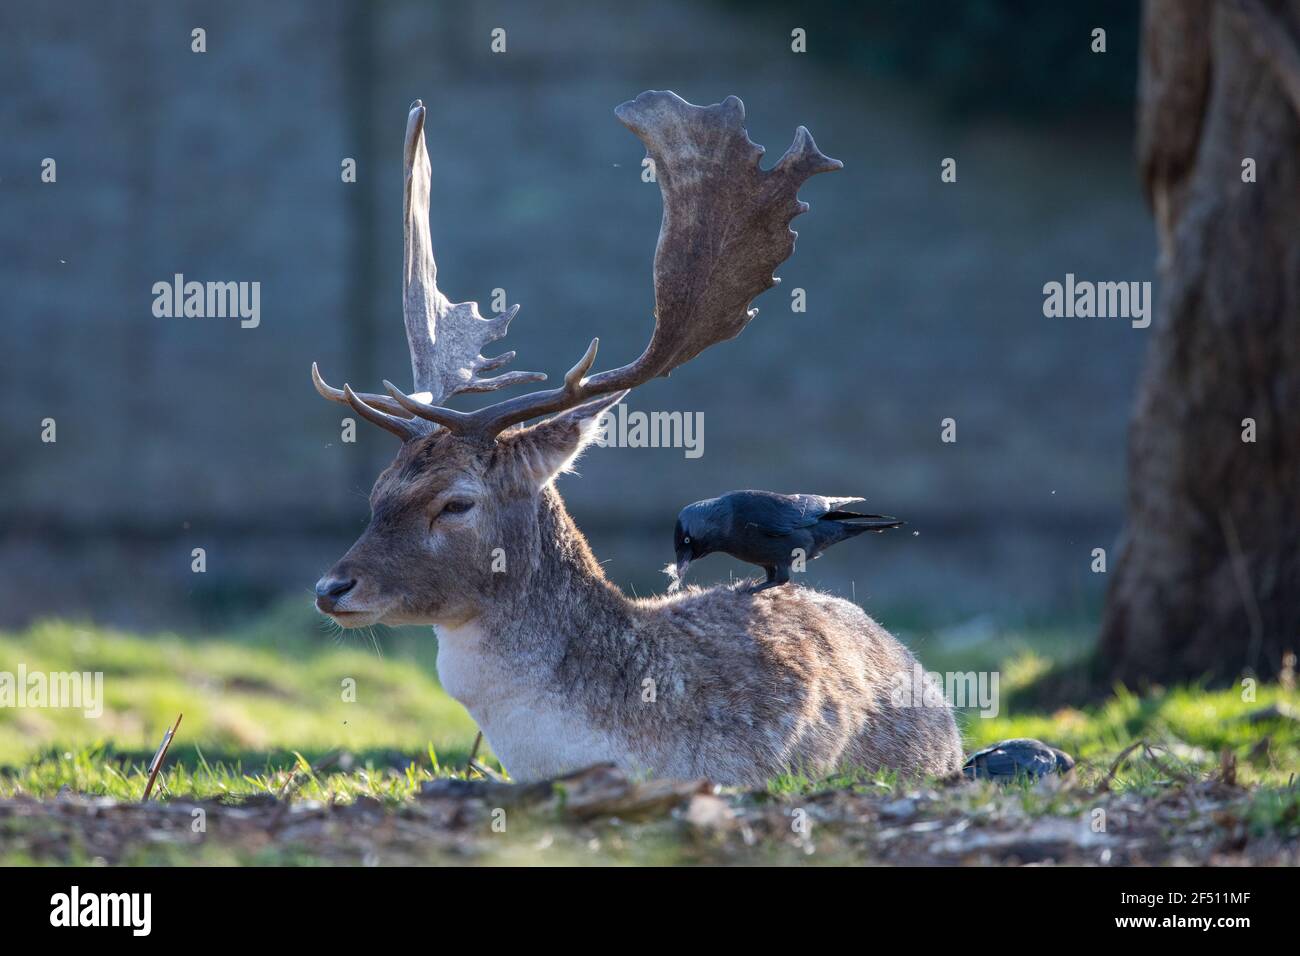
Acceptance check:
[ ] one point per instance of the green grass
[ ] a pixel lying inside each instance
(266, 715)
(1193, 724)
(252, 701)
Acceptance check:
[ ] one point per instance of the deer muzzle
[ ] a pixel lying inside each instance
(330, 590)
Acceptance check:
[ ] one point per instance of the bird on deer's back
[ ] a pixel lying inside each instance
(770, 530)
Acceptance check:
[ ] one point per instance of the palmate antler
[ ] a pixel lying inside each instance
(446, 339)
(726, 227)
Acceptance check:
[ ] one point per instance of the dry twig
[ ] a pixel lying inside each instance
(156, 763)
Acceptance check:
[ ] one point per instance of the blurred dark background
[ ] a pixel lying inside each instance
(924, 298)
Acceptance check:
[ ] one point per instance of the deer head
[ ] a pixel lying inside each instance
(466, 483)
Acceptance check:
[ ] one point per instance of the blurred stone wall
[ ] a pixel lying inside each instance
(924, 299)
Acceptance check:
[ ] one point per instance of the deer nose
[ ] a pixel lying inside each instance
(330, 590)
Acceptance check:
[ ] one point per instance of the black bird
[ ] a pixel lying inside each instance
(768, 529)
(1012, 759)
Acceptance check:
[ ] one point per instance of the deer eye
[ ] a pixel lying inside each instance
(456, 506)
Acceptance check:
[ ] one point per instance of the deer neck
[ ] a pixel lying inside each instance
(526, 668)
(562, 590)
(555, 609)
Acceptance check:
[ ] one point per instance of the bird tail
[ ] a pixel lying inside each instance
(854, 523)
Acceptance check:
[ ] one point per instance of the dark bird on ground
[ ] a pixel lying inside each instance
(1021, 757)
(767, 529)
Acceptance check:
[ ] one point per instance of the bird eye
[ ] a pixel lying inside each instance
(686, 540)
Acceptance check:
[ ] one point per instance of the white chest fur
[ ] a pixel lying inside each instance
(535, 734)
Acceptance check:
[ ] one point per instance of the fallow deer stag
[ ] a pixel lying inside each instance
(559, 668)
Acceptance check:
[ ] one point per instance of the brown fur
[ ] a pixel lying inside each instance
(745, 686)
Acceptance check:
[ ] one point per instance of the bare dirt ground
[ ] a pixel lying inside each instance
(598, 816)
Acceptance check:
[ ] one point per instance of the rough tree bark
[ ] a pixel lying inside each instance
(1207, 582)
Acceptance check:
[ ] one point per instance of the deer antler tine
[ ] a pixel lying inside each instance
(803, 158)
(501, 323)
(448, 418)
(381, 402)
(496, 361)
(574, 376)
(326, 390)
(403, 428)
(492, 383)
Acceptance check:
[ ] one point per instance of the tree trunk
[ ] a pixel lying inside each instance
(1207, 582)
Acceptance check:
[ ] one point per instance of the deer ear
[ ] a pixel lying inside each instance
(551, 447)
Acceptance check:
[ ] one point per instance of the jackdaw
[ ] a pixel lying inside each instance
(767, 529)
(1013, 759)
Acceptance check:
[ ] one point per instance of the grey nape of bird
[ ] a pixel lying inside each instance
(1018, 758)
(770, 530)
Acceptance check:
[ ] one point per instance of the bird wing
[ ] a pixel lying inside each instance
(835, 510)
(835, 504)
(778, 515)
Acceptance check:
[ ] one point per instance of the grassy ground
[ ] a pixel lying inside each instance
(286, 765)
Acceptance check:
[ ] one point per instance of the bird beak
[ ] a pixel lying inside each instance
(682, 565)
